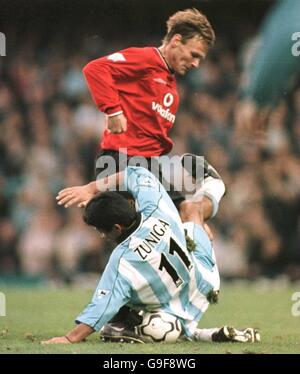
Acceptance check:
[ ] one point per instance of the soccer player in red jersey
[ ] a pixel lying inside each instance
(136, 87)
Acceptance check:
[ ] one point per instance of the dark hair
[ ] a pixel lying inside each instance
(106, 209)
(189, 23)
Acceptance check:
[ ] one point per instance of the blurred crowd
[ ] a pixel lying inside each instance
(50, 130)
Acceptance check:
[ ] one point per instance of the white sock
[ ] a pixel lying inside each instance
(205, 335)
(212, 188)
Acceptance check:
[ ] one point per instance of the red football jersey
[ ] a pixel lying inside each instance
(137, 82)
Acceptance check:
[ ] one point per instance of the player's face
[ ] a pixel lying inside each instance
(187, 55)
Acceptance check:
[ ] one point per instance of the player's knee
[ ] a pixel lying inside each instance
(191, 212)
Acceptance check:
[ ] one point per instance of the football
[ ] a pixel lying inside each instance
(160, 327)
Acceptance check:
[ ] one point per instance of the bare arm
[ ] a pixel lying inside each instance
(81, 195)
(76, 335)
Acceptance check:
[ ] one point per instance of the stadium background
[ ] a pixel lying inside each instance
(50, 129)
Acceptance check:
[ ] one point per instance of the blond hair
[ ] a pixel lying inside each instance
(189, 23)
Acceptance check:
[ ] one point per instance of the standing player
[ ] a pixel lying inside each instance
(150, 268)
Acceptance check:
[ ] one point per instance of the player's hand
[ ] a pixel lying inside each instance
(56, 340)
(117, 124)
(79, 195)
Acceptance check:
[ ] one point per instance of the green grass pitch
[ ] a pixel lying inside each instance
(34, 314)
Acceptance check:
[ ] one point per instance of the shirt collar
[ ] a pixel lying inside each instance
(126, 233)
(165, 61)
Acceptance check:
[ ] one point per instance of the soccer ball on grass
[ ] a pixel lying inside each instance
(160, 327)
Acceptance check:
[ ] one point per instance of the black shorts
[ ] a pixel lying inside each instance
(121, 162)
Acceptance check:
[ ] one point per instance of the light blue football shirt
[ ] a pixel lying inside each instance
(152, 269)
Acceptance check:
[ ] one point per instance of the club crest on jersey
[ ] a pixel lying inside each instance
(101, 293)
(116, 57)
(165, 113)
(146, 181)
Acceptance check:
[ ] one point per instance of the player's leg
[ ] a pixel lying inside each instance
(198, 167)
(198, 236)
(207, 266)
(200, 245)
(120, 333)
(204, 205)
(227, 334)
(194, 213)
(210, 186)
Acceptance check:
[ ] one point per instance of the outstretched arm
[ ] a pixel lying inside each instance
(81, 195)
(76, 335)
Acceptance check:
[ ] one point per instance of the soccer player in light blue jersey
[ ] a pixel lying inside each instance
(151, 267)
